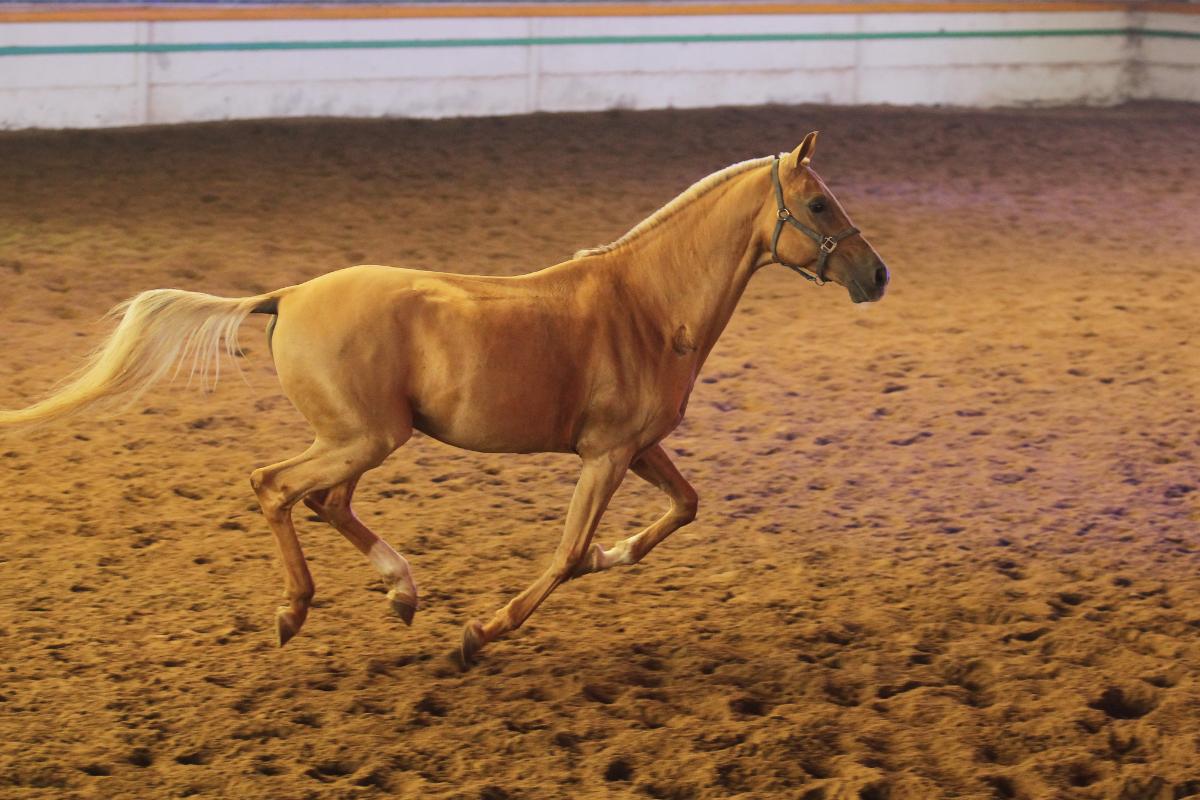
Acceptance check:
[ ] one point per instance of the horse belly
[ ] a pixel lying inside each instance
(495, 428)
(496, 388)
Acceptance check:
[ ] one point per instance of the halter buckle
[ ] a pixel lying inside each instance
(784, 213)
(828, 245)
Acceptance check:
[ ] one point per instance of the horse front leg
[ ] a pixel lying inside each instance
(598, 481)
(653, 466)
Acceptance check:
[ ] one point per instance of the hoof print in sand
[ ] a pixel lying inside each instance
(1127, 701)
(618, 769)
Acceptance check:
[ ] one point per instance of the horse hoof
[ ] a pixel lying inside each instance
(404, 606)
(473, 641)
(287, 624)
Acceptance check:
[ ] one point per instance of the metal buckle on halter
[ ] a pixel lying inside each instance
(784, 213)
(828, 245)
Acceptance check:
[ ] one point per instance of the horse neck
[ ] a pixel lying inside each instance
(692, 269)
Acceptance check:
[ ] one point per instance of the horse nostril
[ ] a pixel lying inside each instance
(881, 276)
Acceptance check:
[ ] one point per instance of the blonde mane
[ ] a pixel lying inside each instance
(696, 190)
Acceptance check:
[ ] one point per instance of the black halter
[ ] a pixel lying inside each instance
(825, 244)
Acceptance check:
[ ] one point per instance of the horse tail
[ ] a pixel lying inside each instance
(159, 330)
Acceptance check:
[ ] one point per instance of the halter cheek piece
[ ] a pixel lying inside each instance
(825, 244)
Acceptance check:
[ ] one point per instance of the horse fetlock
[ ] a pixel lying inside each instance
(390, 564)
(626, 552)
(301, 596)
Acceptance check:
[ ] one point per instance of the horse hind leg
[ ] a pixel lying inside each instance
(333, 506)
(280, 486)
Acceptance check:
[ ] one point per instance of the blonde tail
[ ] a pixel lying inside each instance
(159, 330)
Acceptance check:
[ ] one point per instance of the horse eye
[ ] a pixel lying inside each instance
(817, 206)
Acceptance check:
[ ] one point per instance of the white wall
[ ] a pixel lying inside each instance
(1168, 68)
(99, 90)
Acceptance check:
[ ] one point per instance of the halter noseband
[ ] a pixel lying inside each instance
(825, 244)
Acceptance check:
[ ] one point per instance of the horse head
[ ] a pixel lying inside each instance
(810, 232)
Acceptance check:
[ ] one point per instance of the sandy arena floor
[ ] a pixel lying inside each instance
(947, 544)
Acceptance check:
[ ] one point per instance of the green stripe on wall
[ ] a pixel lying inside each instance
(400, 44)
(551, 41)
(1168, 34)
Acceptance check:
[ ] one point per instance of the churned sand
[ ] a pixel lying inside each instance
(947, 544)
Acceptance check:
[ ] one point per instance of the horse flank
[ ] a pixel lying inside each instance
(693, 192)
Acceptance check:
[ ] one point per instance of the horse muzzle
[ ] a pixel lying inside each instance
(869, 285)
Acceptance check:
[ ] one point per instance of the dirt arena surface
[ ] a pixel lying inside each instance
(947, 544)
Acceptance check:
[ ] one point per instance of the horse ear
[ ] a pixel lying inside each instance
(803, 154)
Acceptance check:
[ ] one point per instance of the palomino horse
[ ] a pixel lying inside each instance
(595, 356)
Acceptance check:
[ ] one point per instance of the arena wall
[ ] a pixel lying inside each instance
(97, 67)
(1167, 67)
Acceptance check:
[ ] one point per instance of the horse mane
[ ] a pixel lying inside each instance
(696, 190)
